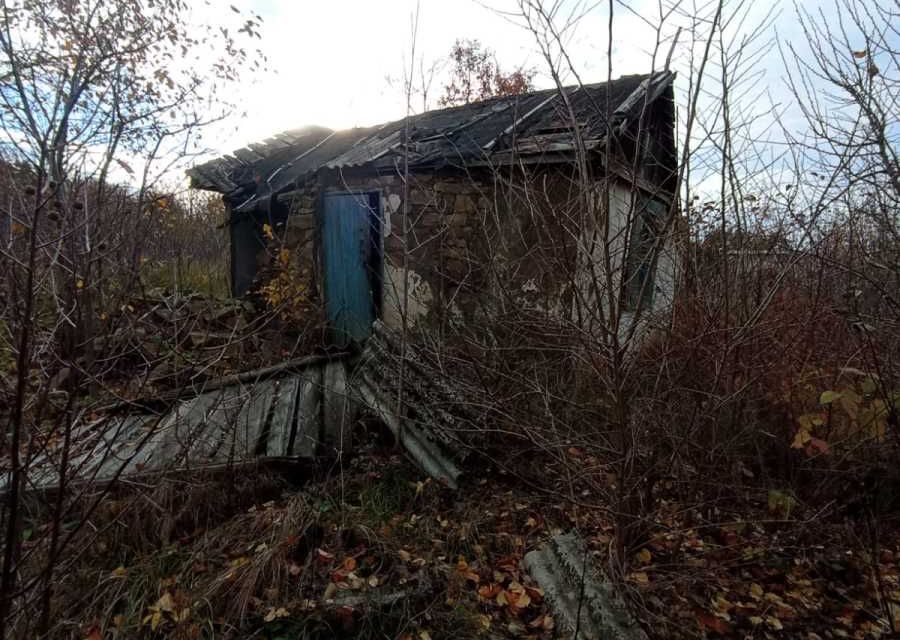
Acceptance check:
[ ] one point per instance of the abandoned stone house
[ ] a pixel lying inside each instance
(463, 211)
(453, 215)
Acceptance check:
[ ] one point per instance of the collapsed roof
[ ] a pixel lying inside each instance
(535, 125)
(294, 412)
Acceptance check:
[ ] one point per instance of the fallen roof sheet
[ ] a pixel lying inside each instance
(536, 123)
(585, 604)
(432, 415)
(278, 418)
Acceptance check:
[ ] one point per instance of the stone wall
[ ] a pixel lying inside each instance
(429, 240)
(469, 246)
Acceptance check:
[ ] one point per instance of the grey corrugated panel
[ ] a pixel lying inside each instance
(119, 443)
(453, 136)
(442, 403)
(337, 409)
(367, 150)
(250, 424)
(308, 432)
(423, 451)
(181, 426)
(581, 598)
(248, 156)
(233, 424)
(286, 169)
(647, 91)
(218, 428)
(282, 425)
(98, 451)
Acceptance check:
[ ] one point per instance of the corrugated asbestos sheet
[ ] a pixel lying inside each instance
(412, 397)
(585, 604)
(300, 416)
(295, 417)
(536, 124)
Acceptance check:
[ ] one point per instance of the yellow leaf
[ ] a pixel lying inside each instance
(640, 577)
(165, 603)
(274, 614)
(155, 620)
(79, 284)
(643, 556)
(800, 439)
(120, 572)
(756, 591)
(774, 622)
(723, 605)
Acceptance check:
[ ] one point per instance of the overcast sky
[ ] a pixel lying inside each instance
(340, 63)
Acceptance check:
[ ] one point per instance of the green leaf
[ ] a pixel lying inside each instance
(781, 502)
(828, 397)
(868, 385)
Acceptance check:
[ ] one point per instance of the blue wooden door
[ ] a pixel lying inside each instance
(347, 241)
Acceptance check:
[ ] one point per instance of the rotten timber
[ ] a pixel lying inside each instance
(586, 605)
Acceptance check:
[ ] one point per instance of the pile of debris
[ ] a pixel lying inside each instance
(304, 411)
(165, 340)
